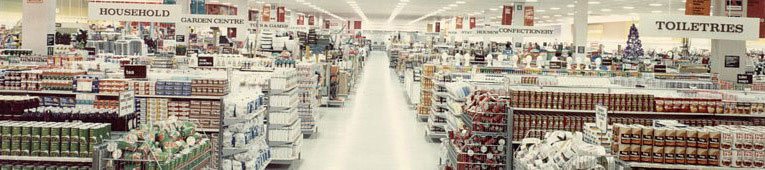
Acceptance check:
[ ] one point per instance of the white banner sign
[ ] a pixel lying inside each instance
(133, 12)
(683, 26)
(518, 31)
(214, 20)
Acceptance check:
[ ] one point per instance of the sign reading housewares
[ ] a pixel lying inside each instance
(682, 26)
(133, 12)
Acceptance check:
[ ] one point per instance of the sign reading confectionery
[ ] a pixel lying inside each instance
(521, 31)
(682, 26)
(507, 15)
(133, 12)
(697, 7)
(528, 16)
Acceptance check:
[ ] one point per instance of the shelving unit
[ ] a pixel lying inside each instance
(308, 94)
(284, 123)
(437, 120)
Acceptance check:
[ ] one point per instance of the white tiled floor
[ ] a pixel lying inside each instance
(375, 130)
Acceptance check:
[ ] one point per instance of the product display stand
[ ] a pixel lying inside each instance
(284, 125)
(309, 93)
(439, 107)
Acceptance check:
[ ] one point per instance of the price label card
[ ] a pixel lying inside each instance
(601, 118)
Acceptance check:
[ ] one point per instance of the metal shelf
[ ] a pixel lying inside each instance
(275, 126)
(277, 143)
(46, 159)
(182, 97)
(228, 151)
(208, 130)
(672, 166)
(55, 92)
(232, 120)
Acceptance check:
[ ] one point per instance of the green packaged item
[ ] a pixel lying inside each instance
(44, 140)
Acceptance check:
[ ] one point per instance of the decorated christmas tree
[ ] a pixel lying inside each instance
(634, 47)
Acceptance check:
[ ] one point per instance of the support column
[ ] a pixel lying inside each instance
(38, 19)
(518, 20)
(181, 29)
(580, 29)
(722, 48)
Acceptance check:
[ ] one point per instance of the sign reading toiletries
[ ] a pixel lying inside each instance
(682, 26)
(133, 12)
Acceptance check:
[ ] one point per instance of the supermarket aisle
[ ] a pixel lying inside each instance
(376, 130)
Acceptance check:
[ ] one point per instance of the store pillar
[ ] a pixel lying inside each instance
(37, 21)
(580, 29)
(733, 50)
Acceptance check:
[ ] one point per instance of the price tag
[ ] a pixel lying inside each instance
(601, 118)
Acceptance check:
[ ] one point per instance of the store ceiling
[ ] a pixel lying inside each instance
(378, 12)
(547, 11)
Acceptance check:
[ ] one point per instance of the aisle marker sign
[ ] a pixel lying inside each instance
(682, 26)
(601, 118)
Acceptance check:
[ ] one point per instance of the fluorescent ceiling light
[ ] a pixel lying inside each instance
(605, 10)
(656, 12)
(628, 7)
(557, 15)
(541, 10)
(493, 9)
(593, 2)
(453, 5)
(570, 5)
(655, 4)
(681, 9)
(461, 2)
(554, 8)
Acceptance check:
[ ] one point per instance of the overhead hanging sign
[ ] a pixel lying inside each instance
(280, 14)
(265, 14)
(521, 31)
(459, 20)
(214, 20)
(528, 16)
(757, 4)
(472, 22)
(682, 26)
(133, 12)
(507, 15)
(698, 7)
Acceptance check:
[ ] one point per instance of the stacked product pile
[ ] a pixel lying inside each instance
(48, 139)
(169, 144)
(483, 144)
(59, 79)
(308, 96)
(439, 107)
(244, 136)
(678, 146)
(428, 73)
(560, 150)
(283, 120)
(14, 106)
(58, 114)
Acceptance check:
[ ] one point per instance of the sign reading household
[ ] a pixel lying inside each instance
(133, 12)
(682, 26)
